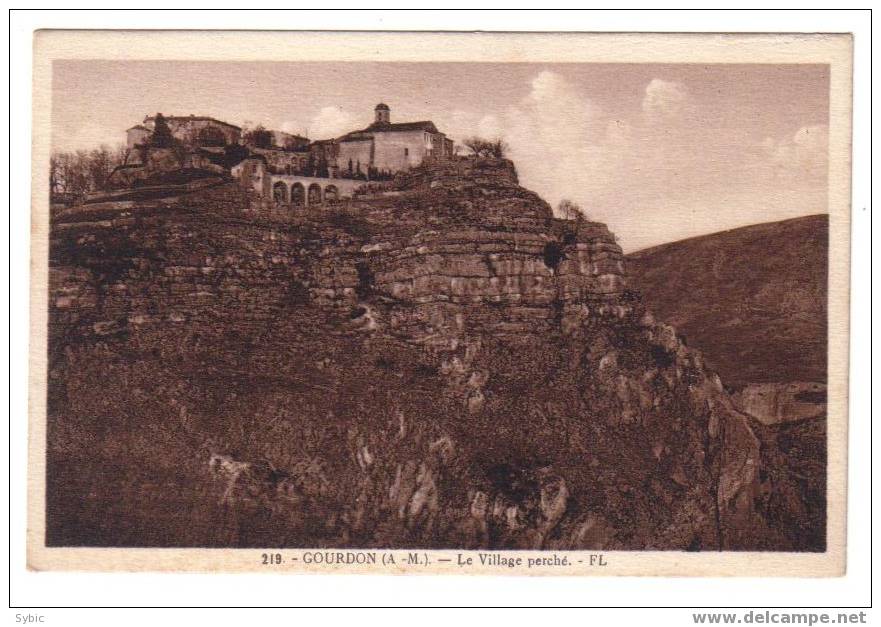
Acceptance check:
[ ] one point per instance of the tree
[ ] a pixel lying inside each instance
(569, 210)
(322, 169)
(121, 154)
(309, 170)
(75, 173)
(480, 147)
(54, 173)
(162, 137)
(99, 165)
(259, 137)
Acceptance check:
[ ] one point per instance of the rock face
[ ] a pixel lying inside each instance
(773, 403)
(439, 363)
(753, 301)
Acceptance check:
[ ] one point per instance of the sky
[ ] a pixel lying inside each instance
(657, 152)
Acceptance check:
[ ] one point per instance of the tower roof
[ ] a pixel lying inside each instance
(381, 107)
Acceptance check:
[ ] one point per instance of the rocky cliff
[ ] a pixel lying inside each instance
(436, 363)
(753, 300)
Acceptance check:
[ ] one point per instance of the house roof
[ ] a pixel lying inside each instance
(291, 135)
(139, 127)
(194, 118)
(387, 127)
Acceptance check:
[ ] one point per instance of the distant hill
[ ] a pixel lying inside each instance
(752, 299)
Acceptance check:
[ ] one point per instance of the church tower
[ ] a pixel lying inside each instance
(383, 113)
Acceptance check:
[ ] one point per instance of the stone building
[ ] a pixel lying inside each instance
(284, 167)
(191, 130)
(295, 189)
(282, 161)
(251, 173)
(390, 147)
(289, 141)
(137, 135)
(268, 139)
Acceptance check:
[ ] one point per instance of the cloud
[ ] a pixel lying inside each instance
(294, 128)
(331, 122)
(664, 98)
(804, 152)
(459, 125)
(660, 162)
(559, 139)
(490, 126)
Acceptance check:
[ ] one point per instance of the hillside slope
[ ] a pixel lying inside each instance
(752, 299)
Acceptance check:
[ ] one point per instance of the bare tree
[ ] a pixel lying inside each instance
(99, 165)
(481, 147)
(570, 210)
(54, 173)
(75, 173)
(121, 154)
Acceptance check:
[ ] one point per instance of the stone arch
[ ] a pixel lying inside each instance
(298, 195)
(331, 193)
(315, 194)
(280, 192)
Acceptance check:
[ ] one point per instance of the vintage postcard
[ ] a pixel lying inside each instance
(465, 303)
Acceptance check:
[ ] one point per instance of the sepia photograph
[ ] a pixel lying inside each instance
(542, 314)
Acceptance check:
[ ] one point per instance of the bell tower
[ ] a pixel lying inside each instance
(383, 114)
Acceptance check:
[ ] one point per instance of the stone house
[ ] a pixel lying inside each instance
(258, 160)
(191, 130)
(282, 161)
(251, 173)
(137, 135)
(289, 141)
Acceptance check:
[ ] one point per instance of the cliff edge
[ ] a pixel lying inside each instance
(437, 362)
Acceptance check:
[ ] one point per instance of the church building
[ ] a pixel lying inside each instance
(390, 147)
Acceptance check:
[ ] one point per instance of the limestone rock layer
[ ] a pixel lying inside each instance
(438, 362)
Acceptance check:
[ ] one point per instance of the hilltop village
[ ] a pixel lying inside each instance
(435, 361)
(286, 168)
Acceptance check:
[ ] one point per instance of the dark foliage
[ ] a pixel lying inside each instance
(553, 254)
(162, 136)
